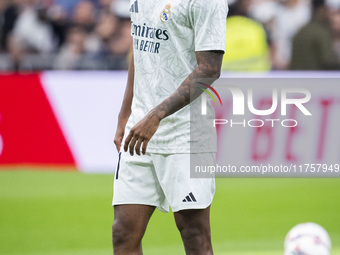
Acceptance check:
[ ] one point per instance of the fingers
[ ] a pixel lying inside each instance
(138, 145)
(134, 142)
(118, 147)
(145, 144)
(127, 141)
(119, 138)
(118, 144)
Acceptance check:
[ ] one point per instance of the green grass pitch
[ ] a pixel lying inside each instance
(69, 213)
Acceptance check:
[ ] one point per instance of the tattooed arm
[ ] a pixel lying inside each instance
(209, 66)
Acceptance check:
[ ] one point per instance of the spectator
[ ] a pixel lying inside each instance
(2, 19)
(74, 48)
(9, 12)
(107, 25)
(105, 5)
(121, 8)
(13, 60)
(59, 22)
(84, 15)
(95, 34)
(246, 44)
(120, 44)
(64, 34)
(264, 12)
(335, 23)
(32, 29)
(313, 45)
(290, 17)
(67, 5)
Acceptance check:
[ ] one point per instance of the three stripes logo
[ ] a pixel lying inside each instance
(134, 7)
(209, 93)
(189, 198)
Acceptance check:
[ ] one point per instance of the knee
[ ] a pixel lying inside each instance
(196, 239)
(194, 233)
(125, 235)
(119, 234)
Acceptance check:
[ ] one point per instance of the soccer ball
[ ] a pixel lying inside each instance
(307, 239)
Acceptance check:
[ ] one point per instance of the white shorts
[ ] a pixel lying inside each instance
(162, 180)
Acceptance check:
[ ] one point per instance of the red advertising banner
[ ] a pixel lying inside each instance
(29, 130)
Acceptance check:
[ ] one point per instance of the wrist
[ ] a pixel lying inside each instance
(155, 114)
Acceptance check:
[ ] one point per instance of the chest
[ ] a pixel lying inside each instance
(149, 16)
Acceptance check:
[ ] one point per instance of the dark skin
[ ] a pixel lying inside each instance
(125, 111)
(131, 219)
(209, 66)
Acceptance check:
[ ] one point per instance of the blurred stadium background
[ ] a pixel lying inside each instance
(56, 127)
(95, 34)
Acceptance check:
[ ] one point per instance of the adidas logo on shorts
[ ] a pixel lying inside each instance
(189, 198)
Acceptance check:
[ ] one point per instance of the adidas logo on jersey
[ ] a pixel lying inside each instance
(134, 7)
(189, 198)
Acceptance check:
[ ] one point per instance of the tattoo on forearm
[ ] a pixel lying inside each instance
(208, 70)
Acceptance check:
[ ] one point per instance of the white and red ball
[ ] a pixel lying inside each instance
(307, 239)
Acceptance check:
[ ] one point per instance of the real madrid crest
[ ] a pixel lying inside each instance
(166, 13)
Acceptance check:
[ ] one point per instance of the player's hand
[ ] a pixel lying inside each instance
(119, 138)
(141, 134)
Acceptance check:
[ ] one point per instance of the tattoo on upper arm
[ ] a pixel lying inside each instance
(207, 71)
(209, 63)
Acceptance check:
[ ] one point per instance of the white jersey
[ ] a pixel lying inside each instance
(166, 34)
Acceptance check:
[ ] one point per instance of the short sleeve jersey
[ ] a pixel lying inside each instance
(166, 34)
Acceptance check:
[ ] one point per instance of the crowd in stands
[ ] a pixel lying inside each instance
(283, 35)
(64, 34)
(95, 34)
